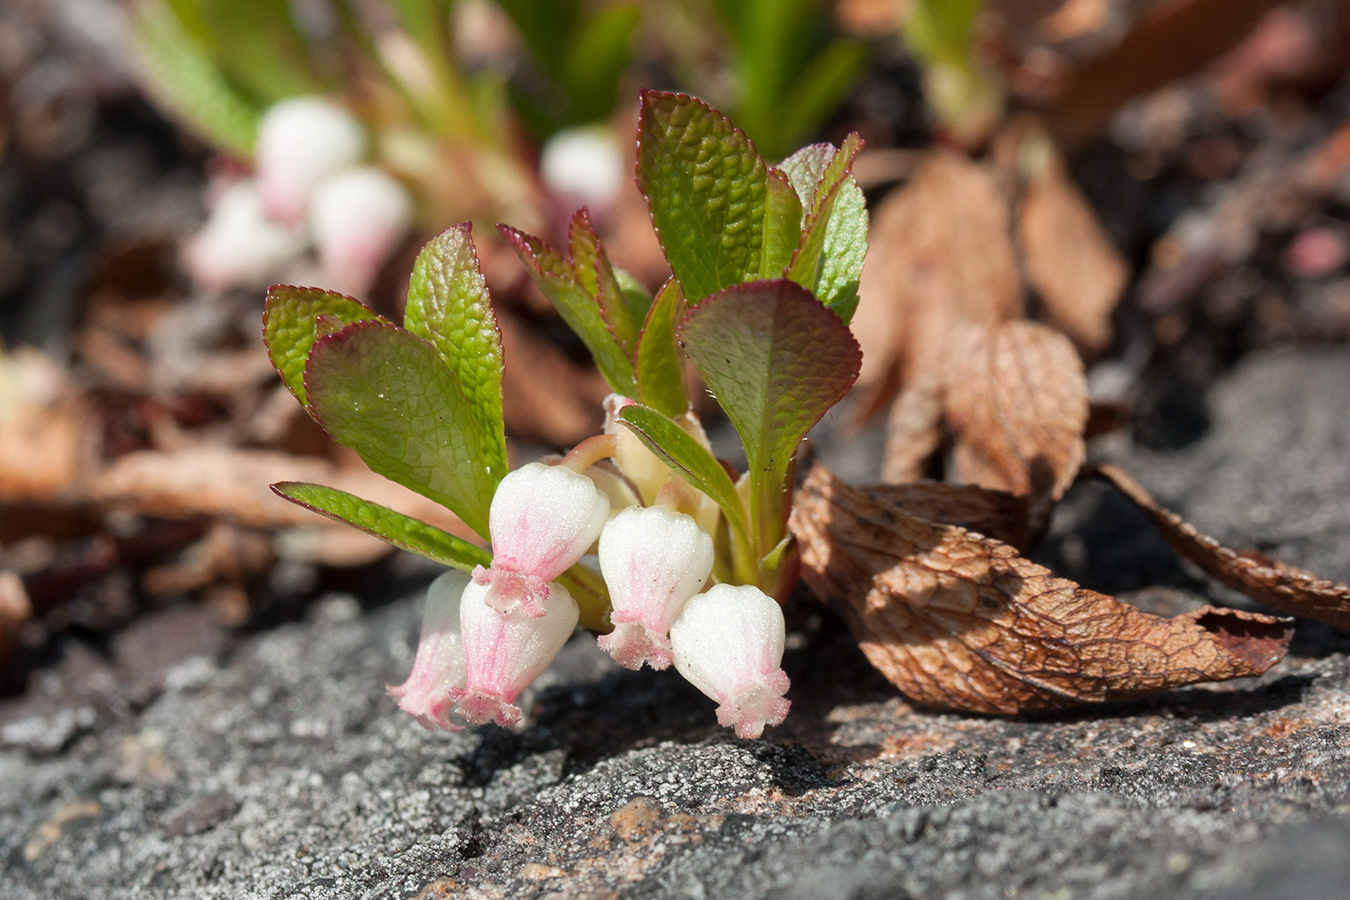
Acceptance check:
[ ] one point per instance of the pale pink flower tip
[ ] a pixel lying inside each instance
(505, 652)
(728, 643)
(653, 560)
(542, 520)
(301, 141)
(439, 665)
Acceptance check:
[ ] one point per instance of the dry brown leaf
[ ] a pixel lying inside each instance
(940, 254)
(1177, 39)
(1073, 266)
(913, 429)
(1017, 404)
(997, 514)
(15, 609)
(1286, 588)
(962, 622)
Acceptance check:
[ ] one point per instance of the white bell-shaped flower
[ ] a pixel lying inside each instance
(542, 520)
(357, 218)
(439, 665)
(653, 560)
(504, 653)
(728, 643)
(239, 245)
(301, 142)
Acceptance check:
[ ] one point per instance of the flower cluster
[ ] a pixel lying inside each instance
(311, 186)
(486, 637)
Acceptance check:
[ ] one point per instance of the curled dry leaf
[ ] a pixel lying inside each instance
(1017, 404)
(1286, 588)
(1074, 267)
(996, 514)
(960, 621)
(15, 609)
(940, 253)
(913, 429)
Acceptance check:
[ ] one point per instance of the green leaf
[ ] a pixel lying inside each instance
(782, 225)
(819, 88)
(182, 76)
(695, 462)
(598, 52)
(707, 189)
(594, 272)
(834, 235)
(387, 394)
(660, 365)
(291, 325)
(558, 280)
(404, 532)
(639, 301)
(776, 360)
(449, 305)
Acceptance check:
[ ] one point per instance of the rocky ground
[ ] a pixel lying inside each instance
(276, 768)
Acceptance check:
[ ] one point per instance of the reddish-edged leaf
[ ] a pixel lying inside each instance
(593, 271)
(776, 360)
(782, 225)
(659, 362)
(960, 621)
(1016, 400)
(578, 305)
(706, 188)
(387, 394)
(448, 304)
(1287, 588)
(291, 325)
(829, 260)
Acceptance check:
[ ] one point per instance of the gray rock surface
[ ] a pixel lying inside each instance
(277, 768)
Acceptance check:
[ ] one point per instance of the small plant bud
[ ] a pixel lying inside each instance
(583, 167)
(301, 142)
(653, 560)
(439, 665)
(239, 245)
(504, 653)
(728, 643)
(357, 218)
(542, 520)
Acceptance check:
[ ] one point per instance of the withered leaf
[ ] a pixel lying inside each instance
(913, 429)
(1071, 263)
(996, 514)
(1017, 404)
(962, 622)
(940, 253)
(1287, 588)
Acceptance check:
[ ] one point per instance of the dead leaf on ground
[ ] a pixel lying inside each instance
(15, 609)
(913, 429)
(1175, 40)
(1286, 588)
(996, 514)
(940, 254)
(961, 622)
(1073, 266)
(1017, 403)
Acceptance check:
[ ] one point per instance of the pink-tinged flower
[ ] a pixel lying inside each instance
(653, 561)
(239, 244)
(542, 520)
(301, 142)
(357, 218)
(439, 666)
(728, 643)
(504, 653)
